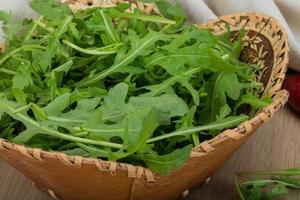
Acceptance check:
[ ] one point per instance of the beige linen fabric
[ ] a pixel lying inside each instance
(286, 11)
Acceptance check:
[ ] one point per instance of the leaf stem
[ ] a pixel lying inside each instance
(23, 108)
(149, 18)
(294, 172)
(7, 71)
(81, 134)
(195, 138)
(88, 51)
(238, 189)
(44, 26)
(267, 181)
(62, 29)
(99, 130)
(174, 56)
(61, 119)
(214, 125)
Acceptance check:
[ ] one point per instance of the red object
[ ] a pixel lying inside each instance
(292, 85)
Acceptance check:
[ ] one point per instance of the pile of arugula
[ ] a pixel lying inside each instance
(277, 183)
(106, 83)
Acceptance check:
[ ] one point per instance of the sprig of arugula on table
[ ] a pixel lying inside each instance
(274, 184)
(106, 83)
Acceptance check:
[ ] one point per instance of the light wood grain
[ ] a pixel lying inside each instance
(274, 146)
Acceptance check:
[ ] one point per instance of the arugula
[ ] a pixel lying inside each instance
(106, 83)
(277, 184)
(50, 8)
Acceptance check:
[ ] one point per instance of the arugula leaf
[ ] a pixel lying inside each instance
(45, 60)
(224, 112)
(114, 106)
(227, 84)
(254, 101)
(266, 188)
(167, 9)
(39, 113)
(51, 8)
(165, 163)
(58, 105)
(187, 122)
(22, 78)
(168, 106)
(149, 125)
(137, 142)
(5, 17)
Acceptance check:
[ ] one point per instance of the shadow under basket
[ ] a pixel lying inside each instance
(74, 177)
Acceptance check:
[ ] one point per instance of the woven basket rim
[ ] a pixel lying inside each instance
(279, 98)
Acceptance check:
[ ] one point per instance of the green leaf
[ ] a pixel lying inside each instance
(254, 101)
(225, 85)
(187, 122)
(5, 17)
(25, 136)
(165, 163)
(142, 17)
(20, 96)
(51, 8)
(190, 88)
(167, 106)
(149, 125)
(182, 78)
(228, 84)
(289, 182)
(224, 112)
(169, 10)
(45, 58)
(146, 122)
(75, 117)
(64, 67)
(98, 130)
(58, 105)
(256, 194)
(279, 189)
(237, 45)
(22, 78)
(114, 106)
(39, 113)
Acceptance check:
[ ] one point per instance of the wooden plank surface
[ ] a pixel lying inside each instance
(276, 145)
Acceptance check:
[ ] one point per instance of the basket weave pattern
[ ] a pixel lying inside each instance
(75, 177)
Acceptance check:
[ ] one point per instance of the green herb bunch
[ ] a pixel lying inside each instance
(110, 84)
(275, 184)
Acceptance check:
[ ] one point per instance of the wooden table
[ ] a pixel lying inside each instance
(276, 145)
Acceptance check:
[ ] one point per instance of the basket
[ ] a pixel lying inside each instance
(74, 177)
